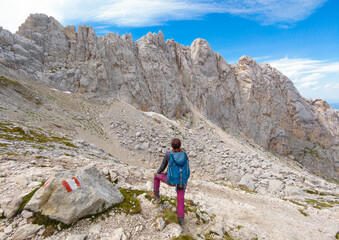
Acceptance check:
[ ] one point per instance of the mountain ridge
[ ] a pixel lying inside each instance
(165, 77)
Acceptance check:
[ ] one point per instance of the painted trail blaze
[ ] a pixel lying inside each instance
(71, 184)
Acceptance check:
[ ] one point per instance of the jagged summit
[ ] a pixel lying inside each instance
(163, 76)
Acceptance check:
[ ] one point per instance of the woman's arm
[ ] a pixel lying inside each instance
(164, 163)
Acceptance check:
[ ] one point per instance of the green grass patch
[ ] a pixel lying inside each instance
(297, 203)
(43, 220)
(69, 144)
(4, 82)
(316, 193)
(27, 198)
(131, 204)
(317, 204)
(303, 212)
(242, 188)
(337, 236)
(13, 154)
(213, 236)
(184, 237)
(333, 202)
(36, 136)
(168, 216)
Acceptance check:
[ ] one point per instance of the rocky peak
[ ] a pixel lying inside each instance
(38, 23)
(246, 60)
(128, 38)
(319, 103)
(204, 57)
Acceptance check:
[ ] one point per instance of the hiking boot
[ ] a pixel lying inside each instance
(181, 221)
(156, 196)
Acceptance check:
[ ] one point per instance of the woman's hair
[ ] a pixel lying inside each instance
(176, 144)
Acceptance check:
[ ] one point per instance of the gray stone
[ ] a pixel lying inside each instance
(95, 229)
(105, 171)
(26, 231)
(34, 184)
(3, 236)
(76, 237)
(8, 230)
(11, 208)
(293, 191)
(118, 234)
(160, 223)
(192, 154)
(275, 186)
(247, 182)
(94, 194)
(26, 214)
(172, 230)
(218, 227)
(139, 147)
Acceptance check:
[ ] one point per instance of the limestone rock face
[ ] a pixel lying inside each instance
(69, 195)
(166, 77)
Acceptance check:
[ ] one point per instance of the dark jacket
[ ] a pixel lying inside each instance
(163, 166)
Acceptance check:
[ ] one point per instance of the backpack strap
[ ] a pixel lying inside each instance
(180, 169)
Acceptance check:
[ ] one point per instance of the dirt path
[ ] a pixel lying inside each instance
(264, 216)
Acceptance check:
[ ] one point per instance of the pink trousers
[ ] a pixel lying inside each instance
(180, 193)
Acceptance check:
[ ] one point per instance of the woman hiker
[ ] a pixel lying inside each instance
(173, 159)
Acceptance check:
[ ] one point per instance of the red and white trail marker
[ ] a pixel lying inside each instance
(46, 182)
(71, 184)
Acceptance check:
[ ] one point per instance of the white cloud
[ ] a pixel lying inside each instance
(304, 69)
(137, 13)
(313, 78)
(332, 86)
(308, 84)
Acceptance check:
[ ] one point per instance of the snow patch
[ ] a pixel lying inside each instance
(150, 114)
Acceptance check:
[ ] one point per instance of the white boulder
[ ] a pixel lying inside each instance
(70, 195)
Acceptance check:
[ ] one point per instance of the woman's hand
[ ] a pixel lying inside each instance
(155, 173)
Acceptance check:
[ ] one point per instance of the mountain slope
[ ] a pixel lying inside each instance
(251, 192)
(168, 78)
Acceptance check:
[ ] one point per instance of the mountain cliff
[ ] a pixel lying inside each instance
(152, 74)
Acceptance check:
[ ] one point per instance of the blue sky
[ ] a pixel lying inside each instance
(298, 37)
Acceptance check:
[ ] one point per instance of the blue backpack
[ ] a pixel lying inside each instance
(178, 169)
